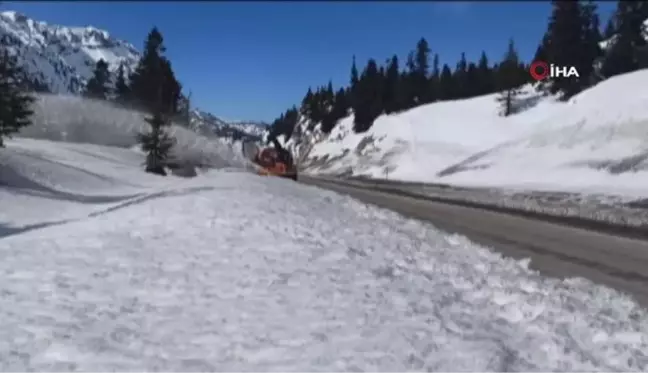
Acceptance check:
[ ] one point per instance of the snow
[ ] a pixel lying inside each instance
(231, 271)
(594, 143)
(79, 120)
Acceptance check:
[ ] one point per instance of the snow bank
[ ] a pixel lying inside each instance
(230, 271)
(595, 143)
(80, 120)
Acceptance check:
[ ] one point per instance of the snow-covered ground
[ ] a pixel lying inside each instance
(595, 143)
(107, 268)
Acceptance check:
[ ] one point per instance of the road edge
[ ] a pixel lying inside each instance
(639, 233)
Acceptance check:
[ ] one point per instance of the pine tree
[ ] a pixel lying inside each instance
(569, 45)
(368, 105)
(460, 77)
(157, 143)
(153, 83)
(98, 85)
(354, 73)
(509, 79)
(435, 76)
(393, 94)
(353, 83)
(486, 85)
(446, 84)
(541, 54)
(171, 87)
(339, 110)
(307, 104)
(122, 91)
(15, 102)
(625, 52)
(420, 71)
(409, 80)
(472, 80)
(591, 45)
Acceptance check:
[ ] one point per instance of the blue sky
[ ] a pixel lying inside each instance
(252, 60)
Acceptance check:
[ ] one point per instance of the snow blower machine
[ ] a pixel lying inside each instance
(275, 161)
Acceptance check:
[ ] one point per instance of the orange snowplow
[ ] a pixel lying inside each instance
(276, 162)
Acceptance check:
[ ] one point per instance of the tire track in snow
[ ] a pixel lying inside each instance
(6, 231)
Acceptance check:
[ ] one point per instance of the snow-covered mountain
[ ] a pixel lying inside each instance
(62, 59)
(205, 122)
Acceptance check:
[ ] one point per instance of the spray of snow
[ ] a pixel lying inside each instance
(80, 120)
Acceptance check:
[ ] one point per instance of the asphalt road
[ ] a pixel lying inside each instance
(554, 249)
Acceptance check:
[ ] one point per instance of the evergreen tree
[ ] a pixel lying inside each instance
(285, 124)
(570, 44)
(354, 74)
(157, 142)
(541, 55)
(420, 72)
(409, 79)
(368, 105)
(460, 77)
(171, 87)
(509, 79)
(329, 94)
(307, 104)
(625, 54)
(153, 73)
(15, 102)
(591, 44)
(446, 84)
(435, 76)
(122, 91)
(394, 97)
(98, 85)
(340, 110)
(472, 81)
(353, 83)
(486, 82)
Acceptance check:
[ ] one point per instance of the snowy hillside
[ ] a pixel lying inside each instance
(595, 142)
(63, 59)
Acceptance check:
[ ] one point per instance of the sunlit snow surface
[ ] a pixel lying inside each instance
(230, 271)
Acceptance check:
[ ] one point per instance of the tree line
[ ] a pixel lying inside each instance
(151, 87)
(573, 38)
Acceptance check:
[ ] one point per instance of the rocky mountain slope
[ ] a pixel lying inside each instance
(61, 60)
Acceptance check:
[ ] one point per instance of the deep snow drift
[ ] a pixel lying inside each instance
(231, 271)
(595, 143)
